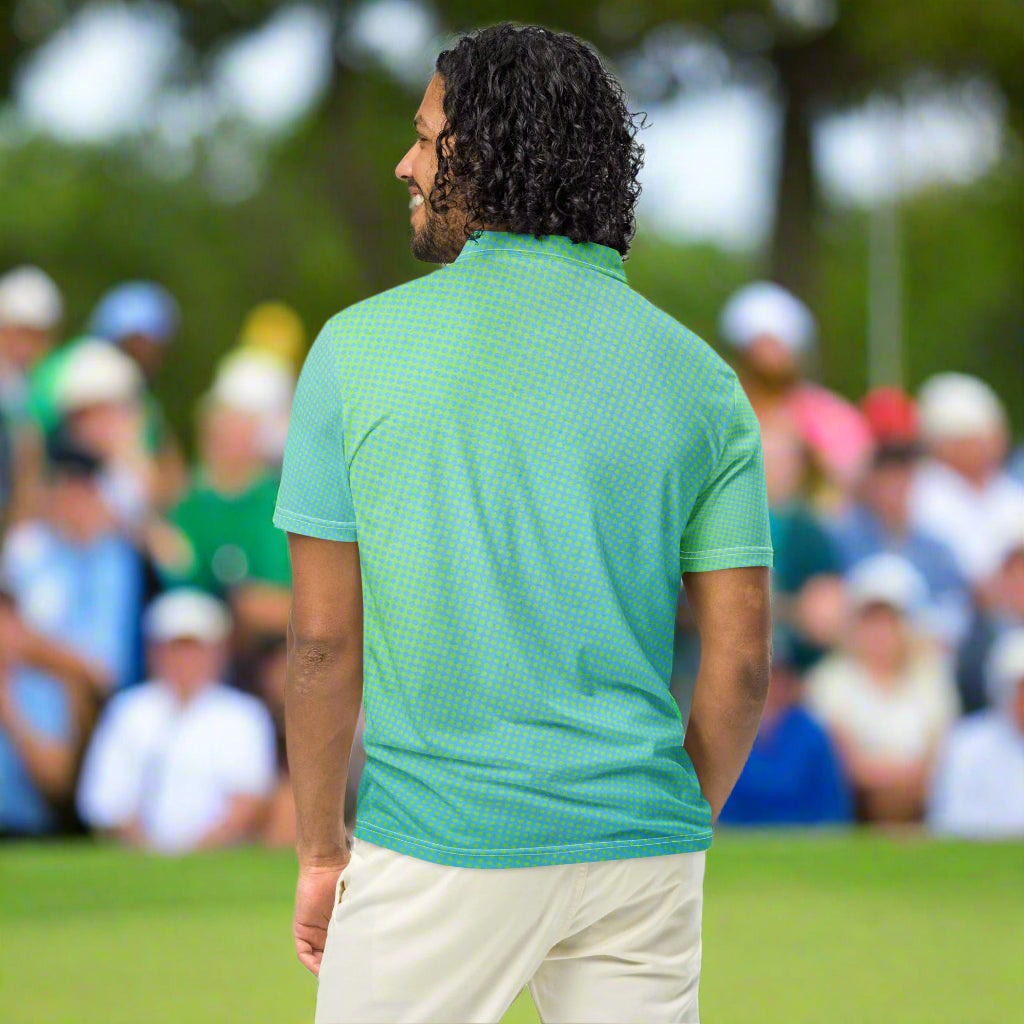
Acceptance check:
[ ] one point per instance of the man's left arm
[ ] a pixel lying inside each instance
(322, 698)
(324, 686)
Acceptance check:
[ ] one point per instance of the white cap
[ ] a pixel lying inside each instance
(29, 298)
(253, 381)
(766, 308)
(956, 405)
(187, 614)
(95, 372)
(1005, 668)
(887, 579)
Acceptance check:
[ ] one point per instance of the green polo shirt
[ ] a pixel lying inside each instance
(230, 537)
(528, 454)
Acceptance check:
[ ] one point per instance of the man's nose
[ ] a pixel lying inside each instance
(403, 171)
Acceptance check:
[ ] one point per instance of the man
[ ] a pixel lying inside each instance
(962, 494)
(494, 476)
(880, 521)
(142, 319)
(77, 580)
(999, 610)
(773, 333)
(182, 762)
(227, 544)
(48, 701)
(31, 310)
(99, 396)
(978, 789)
(889, 697)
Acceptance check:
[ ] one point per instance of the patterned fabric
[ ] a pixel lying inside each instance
(528, 453)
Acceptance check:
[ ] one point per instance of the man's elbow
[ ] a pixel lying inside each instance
(748, 668)
(753, 676)
(317, 645)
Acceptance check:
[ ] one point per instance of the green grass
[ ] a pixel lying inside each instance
(796, 929)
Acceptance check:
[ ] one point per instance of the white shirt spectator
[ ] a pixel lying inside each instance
(978, 790)
(972, 521)
(175, 766)
(901, 721)
(978, 787)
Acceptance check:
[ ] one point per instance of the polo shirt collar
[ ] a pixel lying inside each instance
(601, 257)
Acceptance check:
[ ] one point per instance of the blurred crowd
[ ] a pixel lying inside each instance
(144, 600)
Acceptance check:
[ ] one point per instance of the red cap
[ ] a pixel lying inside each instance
(891, 415)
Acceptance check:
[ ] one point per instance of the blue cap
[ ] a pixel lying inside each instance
(136, 307)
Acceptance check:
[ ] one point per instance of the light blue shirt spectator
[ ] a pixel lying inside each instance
(87, 595)
(42, 703)
(860, 534)
(881, 523)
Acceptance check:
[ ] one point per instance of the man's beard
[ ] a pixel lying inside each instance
(437, 241)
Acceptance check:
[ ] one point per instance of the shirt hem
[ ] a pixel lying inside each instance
(727, 558)
(532, 856)
(323, 529)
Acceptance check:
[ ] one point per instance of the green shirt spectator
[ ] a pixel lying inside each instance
(231, 537)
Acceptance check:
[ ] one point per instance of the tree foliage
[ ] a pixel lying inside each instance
(328, 225)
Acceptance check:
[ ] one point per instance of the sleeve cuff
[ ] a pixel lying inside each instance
(309, 526)
(725, 558)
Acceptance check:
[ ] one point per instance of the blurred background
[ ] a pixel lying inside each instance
(832, 198)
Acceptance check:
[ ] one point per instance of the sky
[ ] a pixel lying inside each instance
(710, 162)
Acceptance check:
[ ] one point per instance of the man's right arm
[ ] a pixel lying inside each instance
(724, 555)
(732, 609)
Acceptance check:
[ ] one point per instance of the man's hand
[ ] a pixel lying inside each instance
(314, 902)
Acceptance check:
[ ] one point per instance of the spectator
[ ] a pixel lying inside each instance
(793, 775)
(891, 416)
(978, 789)
(275, 328)
(182, 762)
(31, 309)
(890, 697)
(262, 383)
(48, 699)
(880, 521)
(807, 586)
(962, 495)
(998, 610)
(229, 545)
(99, 397)
(772, 332)
(77, 579)
(142, 319)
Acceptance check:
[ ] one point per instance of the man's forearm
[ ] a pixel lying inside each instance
(727, 704)
(324, 691)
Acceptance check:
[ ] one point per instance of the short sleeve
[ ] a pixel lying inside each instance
(314, 498)
(728, 525)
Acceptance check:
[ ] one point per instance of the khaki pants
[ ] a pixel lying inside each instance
(611, 941)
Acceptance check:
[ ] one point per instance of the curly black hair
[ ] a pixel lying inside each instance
(538, 139)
